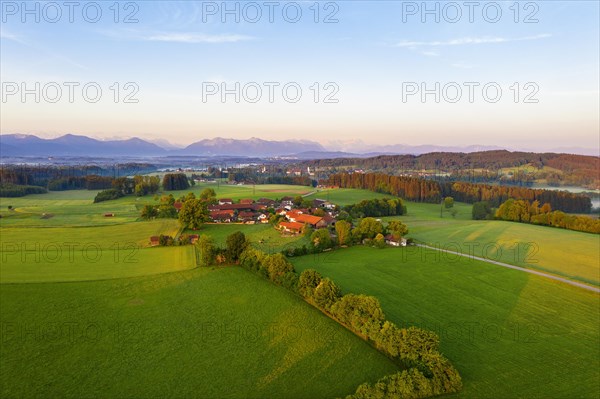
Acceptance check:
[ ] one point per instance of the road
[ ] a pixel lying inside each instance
(550, 276)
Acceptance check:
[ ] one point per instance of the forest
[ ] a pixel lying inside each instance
(424, 190)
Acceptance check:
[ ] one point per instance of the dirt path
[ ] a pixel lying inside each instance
(547, 275)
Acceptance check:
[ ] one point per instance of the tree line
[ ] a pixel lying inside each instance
(423, 190)
(427, 372)
(531, 212)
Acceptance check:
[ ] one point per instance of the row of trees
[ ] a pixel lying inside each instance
(90, 182)
(496, 195)
(410, 188)
(422, 190)
(377, 208)
(531, 212)
(107, 195)
(427, 373)
(16, 190)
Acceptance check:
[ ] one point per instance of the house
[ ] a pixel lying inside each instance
(246, 201)
(225, 201)
(178, 205)
(193, 238)
(390, 240)
(291, 227)
(154, 241)
(280, 212)
(246, 216)
(287, 201)
(229, 207)
(222, 216)
(267, 202)
(329, 220)
(293, 215)
(263, 218)
(109, 215)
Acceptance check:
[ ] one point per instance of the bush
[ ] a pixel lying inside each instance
(107, 195)
(326, 294)
(308, 281)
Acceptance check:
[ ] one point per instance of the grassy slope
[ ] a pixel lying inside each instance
(509, 333)
(221, 333)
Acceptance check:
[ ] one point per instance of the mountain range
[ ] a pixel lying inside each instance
(22, 145)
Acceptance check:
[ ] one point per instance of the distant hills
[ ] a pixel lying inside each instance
(12, 145)
(21, 145)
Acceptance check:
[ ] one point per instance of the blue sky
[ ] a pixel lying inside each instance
(373, 51)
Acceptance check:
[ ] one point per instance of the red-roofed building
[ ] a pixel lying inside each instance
(246, 216)
(291, 227)
(246, 201)
(222, 216)
(315, 221)
(178, 205)
(155, 241)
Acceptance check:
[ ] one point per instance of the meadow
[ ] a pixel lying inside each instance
(566, 253)
(211, 333)
(510, 334)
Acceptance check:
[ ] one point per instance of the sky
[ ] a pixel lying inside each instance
(348, 74)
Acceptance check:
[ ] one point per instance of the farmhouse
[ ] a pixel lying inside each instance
(154, 241)
(222, 216)
(291, 227)
(246, 217)
(314, 221)
(193, 238)
(287, 201)
(390, 240)
(246, 201)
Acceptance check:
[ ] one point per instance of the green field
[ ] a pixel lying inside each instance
(76, 207)
(263, 236)
(567, 253)
(509, 333)
(222, 333)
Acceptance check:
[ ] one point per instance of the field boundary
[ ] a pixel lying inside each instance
(509, 266)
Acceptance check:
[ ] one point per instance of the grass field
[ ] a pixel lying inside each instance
(263, 236)
(76, 207)
(510, 334)
(567, 253)
(222, 333)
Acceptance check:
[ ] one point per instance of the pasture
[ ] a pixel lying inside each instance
(566, 253)
(211, 333)
(263, 236)
(510, 334)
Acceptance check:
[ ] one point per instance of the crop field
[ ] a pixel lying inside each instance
(220, 333)
(510, 334)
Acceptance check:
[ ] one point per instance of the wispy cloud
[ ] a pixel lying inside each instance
(471, 40)
(11, 36)
(176, 37)
(196, 38)
(430, 53)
